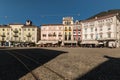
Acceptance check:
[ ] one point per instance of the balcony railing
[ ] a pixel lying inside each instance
(15, 31)
(54, 34)
(49, 35)
(3, 35)
(65, 29)
(15, 35)
(29, 35)
(60, 35)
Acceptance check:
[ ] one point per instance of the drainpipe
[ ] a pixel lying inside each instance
(117, 31)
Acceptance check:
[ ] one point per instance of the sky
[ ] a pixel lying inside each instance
(51, 11)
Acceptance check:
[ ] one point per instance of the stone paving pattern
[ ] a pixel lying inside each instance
(78, 62)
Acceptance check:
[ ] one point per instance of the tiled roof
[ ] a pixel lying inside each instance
(4, 26)
(16, 24)
(99, 18)
(29, 26)
(52, 25)
(105, 13)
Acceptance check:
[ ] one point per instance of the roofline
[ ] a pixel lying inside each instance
(51, 24)
(99, 18)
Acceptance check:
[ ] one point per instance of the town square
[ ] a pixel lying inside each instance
(59, 40)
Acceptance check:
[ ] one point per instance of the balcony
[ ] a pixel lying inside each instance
(54, 35)
(44, 35)
(29, 35)
(3, 35)
(50, 35)
(60, 35)
(65, 29)
(15, 35)
(15, 31)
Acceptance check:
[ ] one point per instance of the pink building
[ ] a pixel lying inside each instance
(77, 32)
(51, 34)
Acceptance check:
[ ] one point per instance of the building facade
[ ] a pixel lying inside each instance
(101, 30)
(4, 34)
(68, 25)
(51, 34)
(18, 34)
(77, 32)
(61, 34)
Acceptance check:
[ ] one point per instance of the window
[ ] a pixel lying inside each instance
(60, 35)
(60, 28)
(79, 38)
(74, 38)
(24, 29)
(54, 34)
(109, 28)
(85, 36)
(100, 36)
(109, 35)
(11, 38)
(95, 29)
(3, 29)
(74, 28)
(33, 38)
(108, 24)
(67, 22)
(74, 32)
(43, 28)
(100, 28)
(85, 30)
(78, 27)
(65, 33)
(33, 29)
(50, 35)
(69, 33)
(69, 28)
(44, 35)
(69, 37)
(24, 38)
(65, 28)
(28, 29)
(7, 38)
(19, 38)
(92, 29)
(65, 37)
(7, 33)
(91, 36)
(19, 29)
(78, 32)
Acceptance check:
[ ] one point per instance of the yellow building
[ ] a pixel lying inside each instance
(4, 34)
(68, 31)
(19, 34)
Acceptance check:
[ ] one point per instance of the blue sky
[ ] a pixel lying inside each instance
(51, 11)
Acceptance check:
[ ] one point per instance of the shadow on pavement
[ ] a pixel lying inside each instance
(109, 70)
(11, 69)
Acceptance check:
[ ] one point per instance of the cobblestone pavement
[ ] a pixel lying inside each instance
(78, 64)
(81, 64)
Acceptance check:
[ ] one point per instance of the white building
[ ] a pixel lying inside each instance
(101, 30)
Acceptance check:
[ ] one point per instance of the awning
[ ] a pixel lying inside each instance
(100, 43)
(70, 41)
(89, 42)
(47, 42)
